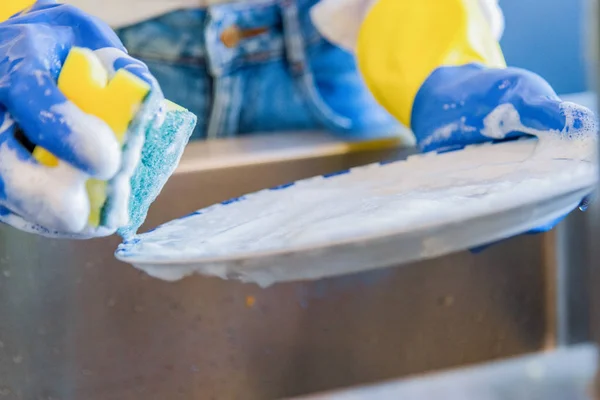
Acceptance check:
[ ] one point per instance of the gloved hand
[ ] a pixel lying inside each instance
(451, 109)
(33, 47)
(452, 105)
(424, 64)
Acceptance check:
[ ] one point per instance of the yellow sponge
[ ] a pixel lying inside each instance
(84, 81)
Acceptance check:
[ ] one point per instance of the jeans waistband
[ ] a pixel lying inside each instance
(226, 37)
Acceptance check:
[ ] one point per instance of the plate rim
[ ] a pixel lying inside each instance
(123, 252)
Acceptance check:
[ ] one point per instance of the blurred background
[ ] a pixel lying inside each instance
(547, 37)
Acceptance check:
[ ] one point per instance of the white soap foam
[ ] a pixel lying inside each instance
(92, 138)
(55, 198)
(119, 190)
(503, 120)
(445, 132)
(108, 56)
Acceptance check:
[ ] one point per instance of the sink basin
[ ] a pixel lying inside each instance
(566, 373)
(77, 324)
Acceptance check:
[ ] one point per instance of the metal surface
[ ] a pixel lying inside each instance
(578, 278)
(592, 272)
(572, 276)
(566, 374)
(570, 289)
(76, 324)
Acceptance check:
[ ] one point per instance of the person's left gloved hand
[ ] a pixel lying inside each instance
(451, 108)
(33, 47)
(437, 66)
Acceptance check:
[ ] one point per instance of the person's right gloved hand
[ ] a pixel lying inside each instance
(33, 112)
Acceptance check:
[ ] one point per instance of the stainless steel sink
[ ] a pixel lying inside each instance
(76, 324)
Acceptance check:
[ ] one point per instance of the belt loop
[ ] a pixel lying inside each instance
(292, 34)
(219, 56)
(211, 42)
(226, 86)
(295, 51)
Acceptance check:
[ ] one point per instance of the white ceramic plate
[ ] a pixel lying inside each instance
(374, 216)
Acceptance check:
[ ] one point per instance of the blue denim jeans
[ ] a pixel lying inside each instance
(256, 68)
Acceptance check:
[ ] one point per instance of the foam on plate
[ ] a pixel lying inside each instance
(354, 206)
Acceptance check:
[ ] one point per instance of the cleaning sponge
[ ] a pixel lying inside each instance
(85, 82)
(160, 156)
(127, 104)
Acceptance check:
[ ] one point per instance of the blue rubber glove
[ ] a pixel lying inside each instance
(33, 47)
(451, 106)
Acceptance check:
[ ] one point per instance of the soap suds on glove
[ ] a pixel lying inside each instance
(92, 137)
(53, 197)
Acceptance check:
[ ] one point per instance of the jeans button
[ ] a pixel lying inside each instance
(231, 36)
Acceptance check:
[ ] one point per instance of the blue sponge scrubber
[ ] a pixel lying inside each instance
(161, 153)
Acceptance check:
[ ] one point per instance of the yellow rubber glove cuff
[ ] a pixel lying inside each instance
(401, 42)
(8, 8)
